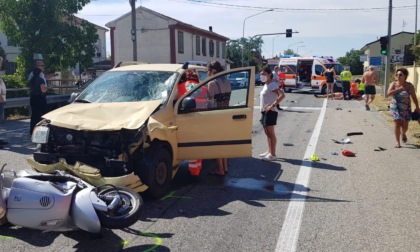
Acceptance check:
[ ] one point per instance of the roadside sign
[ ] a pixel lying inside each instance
(375, 61)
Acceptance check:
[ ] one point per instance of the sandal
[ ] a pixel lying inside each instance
(404, 138)
(397, 146)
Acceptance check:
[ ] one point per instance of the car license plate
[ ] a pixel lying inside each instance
(40, 134)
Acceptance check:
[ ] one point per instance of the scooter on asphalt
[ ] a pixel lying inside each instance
(63, 202)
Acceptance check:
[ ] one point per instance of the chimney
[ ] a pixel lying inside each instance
(210, 28)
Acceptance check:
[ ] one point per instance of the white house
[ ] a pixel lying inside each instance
(161, 39)
(12, 51)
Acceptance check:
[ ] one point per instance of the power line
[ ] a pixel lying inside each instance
(234, 6)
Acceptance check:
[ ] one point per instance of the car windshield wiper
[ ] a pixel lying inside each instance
(82, 101)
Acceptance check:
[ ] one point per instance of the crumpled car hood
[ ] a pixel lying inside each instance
(102, 116)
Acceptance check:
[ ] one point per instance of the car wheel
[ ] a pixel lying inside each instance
(155, 171)
(324, 89)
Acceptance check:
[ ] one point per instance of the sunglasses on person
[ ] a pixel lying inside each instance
(399, 75)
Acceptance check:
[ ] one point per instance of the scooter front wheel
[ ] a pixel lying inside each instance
(126, 213)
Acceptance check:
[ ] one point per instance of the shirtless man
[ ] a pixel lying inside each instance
(370, 79)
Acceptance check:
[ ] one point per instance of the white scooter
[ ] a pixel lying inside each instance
(62, 202)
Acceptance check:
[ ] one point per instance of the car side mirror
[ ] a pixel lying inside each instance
(188, 104)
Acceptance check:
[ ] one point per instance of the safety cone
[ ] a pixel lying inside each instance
(194, 166)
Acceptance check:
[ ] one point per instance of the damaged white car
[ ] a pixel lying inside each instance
(130, 128)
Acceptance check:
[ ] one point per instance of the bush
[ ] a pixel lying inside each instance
(13, 81)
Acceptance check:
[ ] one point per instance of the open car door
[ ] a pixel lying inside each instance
(205, 132)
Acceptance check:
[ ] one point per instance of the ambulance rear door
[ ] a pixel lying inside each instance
(318, 78)
(291, 71)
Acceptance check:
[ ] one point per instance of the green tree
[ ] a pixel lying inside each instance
(352, 59)
(415, 48)
(252, 55)
(289, 52)
(50, 28)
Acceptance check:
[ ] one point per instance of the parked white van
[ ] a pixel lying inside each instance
(305, 73)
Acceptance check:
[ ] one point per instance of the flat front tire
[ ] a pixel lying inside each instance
(155, 171)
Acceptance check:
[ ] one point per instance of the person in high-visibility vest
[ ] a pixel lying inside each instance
(345, 76)
(191, 81)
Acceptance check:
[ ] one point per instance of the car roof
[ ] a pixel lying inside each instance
(158, 67)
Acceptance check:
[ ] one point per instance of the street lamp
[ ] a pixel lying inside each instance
(243, 30)
(260, 35)
(293, 44)
(297, 49)
(272, 52)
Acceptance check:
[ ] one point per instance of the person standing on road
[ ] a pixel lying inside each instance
(2, 102)
(38, 100)
(400, 108)
(329, 75)
(345, 76)
(2, 95)
(270, 96)
(219, 91)
(369, 79)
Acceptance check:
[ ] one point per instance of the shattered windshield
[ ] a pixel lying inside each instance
(129, 86)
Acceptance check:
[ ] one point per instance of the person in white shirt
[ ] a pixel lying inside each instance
(270, 96)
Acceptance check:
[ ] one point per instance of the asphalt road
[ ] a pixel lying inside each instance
(365, 203)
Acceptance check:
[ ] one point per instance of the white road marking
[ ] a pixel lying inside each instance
(8, 131)
(289, 233)
(293, 108)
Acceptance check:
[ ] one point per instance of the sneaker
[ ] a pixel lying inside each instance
(269, 157)
(367, 107)
(264, 154)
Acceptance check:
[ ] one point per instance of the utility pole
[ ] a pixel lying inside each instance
(415, 45)
(133, 28)
(388, 53)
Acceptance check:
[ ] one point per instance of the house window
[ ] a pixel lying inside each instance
(204, 47)
(217, 49)
(180, 42)
(211, 48)
(223, 50)
(197, 45)
(10, 43)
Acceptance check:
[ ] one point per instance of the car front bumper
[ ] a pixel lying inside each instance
(90, 174)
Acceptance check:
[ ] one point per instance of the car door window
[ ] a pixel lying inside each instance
(218, 93)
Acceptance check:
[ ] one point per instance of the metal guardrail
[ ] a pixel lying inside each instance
(24, 101)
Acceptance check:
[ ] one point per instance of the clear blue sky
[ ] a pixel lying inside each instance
(326, 27)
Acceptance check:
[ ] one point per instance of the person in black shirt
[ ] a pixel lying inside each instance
(38, 100)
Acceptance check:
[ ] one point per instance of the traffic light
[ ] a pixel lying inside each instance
(289, 33)
(384, 45)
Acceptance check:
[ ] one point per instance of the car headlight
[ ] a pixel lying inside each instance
(40, 135)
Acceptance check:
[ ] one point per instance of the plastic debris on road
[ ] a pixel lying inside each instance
(348, 153)
(354, 133)
(314, 157)
(343, 141)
